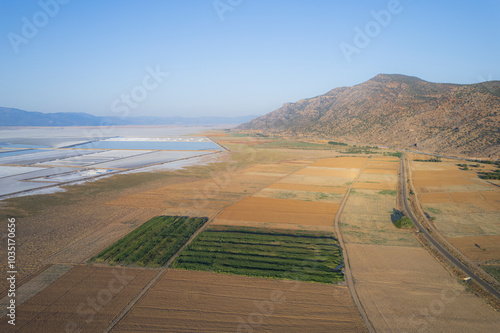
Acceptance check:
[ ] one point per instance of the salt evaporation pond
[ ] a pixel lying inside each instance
(18, 152)
(150, 145)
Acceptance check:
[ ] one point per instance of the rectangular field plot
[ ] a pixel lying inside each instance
(341, 162)
(310, 188)
(191, 301)
(463, 223)
(440, 178)
(316, 180)
(153, 243)
(303, 256)
(484, 201)
(367, 219)
(371, 181)
(281, 211)
(323, 171)
(300, 195)
(381, 171)
(481, 248)
(85, 299)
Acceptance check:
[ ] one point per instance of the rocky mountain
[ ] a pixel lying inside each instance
(16, 117)
(397, 111)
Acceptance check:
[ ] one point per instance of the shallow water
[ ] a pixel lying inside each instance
(150, 145)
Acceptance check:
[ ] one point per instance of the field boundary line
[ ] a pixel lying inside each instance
(162, 271)
(348, 274)
(134, 301)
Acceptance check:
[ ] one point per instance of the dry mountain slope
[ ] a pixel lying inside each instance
(400, 111)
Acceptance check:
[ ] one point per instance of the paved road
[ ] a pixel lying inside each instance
(438, 246)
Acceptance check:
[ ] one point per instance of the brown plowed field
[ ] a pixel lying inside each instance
(186, 301)
(316, 180)
(69, 301)
(404, 289)
(330, 172)
(300, 195)
(281, 211)
(374, 186)
(341, 162)
(381, 171)
(440, 178)
(370, 181)
(383, 165)
(270, 225)
(488, 249)
(310, 188)
(488, 201)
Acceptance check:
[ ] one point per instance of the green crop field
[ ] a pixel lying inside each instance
(153, 243)
(300, 256)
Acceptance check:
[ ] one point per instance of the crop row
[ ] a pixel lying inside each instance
(261, 253)
(153, 243)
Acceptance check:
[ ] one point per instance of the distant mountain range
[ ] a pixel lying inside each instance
(16, 117)
(397, 111)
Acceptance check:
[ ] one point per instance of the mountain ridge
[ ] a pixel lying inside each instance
(17, 117)
(399, 111)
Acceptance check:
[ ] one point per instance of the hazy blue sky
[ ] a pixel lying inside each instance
(230, 57)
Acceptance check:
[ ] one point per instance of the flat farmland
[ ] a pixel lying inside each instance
(153, 243)
(480, 248)
(440, 178)
(281, 211)
(378, 170)
(316, 180)
(487, 200)
(265, 253)
(464, 208)
(73, 226)
(327, 171)
(366, 219)
(85, 298)
(373, 181)
(341, 162)
(309, 188)
(203, 301)
(300, 195)
(201, 197)
(404, 289)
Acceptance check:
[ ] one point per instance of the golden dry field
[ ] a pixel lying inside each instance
(404, 289)
(464, 208)
(202, 301)
(271, 210)
(400, 285)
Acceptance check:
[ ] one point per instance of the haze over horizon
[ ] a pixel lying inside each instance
(230, 57)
